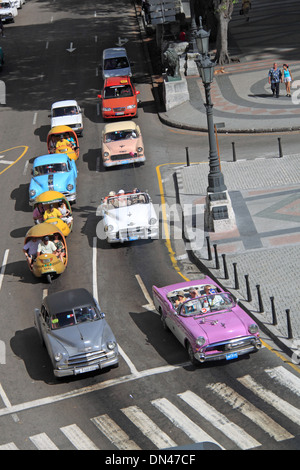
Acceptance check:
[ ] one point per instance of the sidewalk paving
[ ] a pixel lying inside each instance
(265, 192)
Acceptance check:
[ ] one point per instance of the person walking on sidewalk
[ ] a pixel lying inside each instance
(287, 78)
(275, 79)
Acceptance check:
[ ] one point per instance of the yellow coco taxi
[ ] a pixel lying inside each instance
(64, 222)
(62, 139)
(46, 265)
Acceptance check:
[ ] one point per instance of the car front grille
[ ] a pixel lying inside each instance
(119, 110)
(140, 232)
(87, 358)
(231, 345)
(123, 156)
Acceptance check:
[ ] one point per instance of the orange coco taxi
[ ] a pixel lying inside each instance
(119, 98)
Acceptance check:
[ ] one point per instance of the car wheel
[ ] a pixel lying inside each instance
(191, 355)
(163, 320)
(49, 278)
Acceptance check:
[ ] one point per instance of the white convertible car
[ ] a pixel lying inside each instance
(129, 216)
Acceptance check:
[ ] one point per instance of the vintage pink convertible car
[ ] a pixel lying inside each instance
(206, 320)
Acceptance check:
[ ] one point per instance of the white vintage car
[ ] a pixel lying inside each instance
(129, 216)
(8, 11)
(122, 143)
(67, 113)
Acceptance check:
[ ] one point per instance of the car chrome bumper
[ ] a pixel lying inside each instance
(252, 344)
(125, 162)
(85, 368)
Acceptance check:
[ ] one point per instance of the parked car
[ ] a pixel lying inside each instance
(129, 216)
(8, 11)
(206, 320)
(67, 113)
(1, 58)
(77, 336)
(119, 98)
(122, 143)
(53, 172)
(115, 62)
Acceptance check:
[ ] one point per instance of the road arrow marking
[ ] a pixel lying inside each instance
(71, 48)
(121, 42)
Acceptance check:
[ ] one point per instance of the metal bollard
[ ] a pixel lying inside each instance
(289, 325)
(225, 267)
(249, 295)
(280, 148)
(233, 152)
(187, 156)
(274, 316)
(236, 279)
(208, 249)
(216, 256)
(260, 303)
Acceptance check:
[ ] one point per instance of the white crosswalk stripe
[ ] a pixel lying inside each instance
(114, 433)
(159, 438)
(181, 421)
(209, 416)
(43, 442)
(78, 438)
(230, 429)
(247, 409)
(281, 405)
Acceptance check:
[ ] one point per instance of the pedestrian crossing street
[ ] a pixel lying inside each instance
(193, 420)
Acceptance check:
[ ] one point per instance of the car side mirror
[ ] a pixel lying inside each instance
(100, 96)
(137, 92)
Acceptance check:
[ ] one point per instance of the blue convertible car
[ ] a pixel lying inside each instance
(53, 173)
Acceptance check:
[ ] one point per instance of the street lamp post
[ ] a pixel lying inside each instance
(218, 204)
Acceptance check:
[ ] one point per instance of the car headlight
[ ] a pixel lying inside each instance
(70, 187)
(106, 154)
(111, 344)
(106, 109)
(152, 221)
(32, 192)
(58, 356)
(140, 149)
(108, 228)
(253, 329)
(200, 341)
(131, 106)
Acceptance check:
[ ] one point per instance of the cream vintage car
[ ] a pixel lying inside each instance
(122, 143)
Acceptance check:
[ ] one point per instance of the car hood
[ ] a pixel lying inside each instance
(118, 102)
(218, 326)
(66, 120)
(82, 337)
(126, 217)
(122, 146)
(53, 181)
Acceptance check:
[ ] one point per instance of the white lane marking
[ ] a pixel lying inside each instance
(181, 421)
(6, 162)
(98, 109)
(34, 119)
(150, 306)
(43, 442)
(257, 416)
(281, 405)
(7, 403)
(159, 438)
(114, 433)
(47, 44)
(240, 437)
(25, 167)
(286, 378)
(80, 440)
(94, 268)
(9, 446)
(129, 363)
(83, 391)
(3, 266)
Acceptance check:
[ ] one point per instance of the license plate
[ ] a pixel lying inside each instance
(133, 238)
(231, 356)
(86, 369)
(119, 114)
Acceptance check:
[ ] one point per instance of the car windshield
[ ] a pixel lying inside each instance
(51, 168)
(74, 317)
(206, 304)
(120, 135)
(126, 200)
(64, 111)
(116, 63)
(5, 5)
(118, 91)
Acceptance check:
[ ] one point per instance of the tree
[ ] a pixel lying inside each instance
(223, 10)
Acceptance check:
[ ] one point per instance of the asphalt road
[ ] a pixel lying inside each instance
(154, 376)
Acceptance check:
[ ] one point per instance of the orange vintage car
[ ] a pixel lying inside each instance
(119, 98)
(71, 147)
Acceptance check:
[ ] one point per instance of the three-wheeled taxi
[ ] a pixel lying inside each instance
(47, 265)
(67, 144)
(55, 198)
